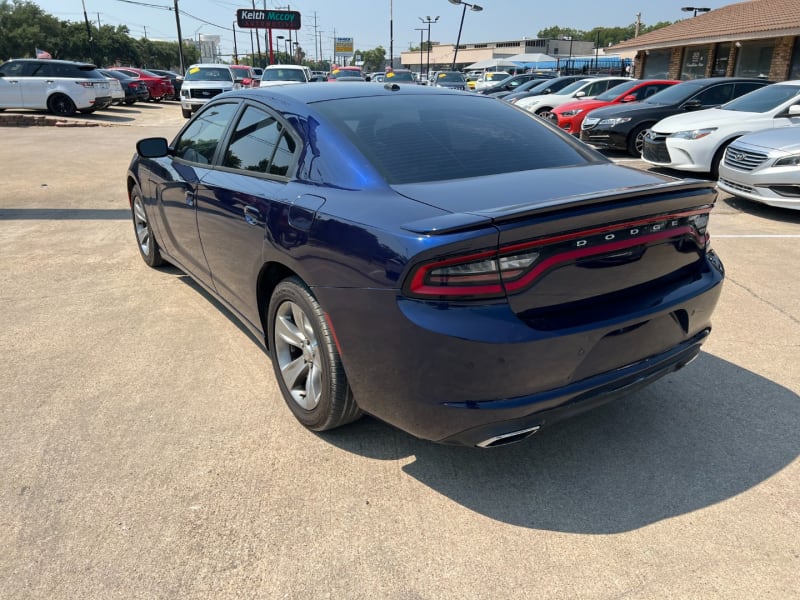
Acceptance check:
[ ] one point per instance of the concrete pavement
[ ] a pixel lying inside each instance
(146, 451)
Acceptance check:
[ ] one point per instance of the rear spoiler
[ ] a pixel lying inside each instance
(670, 196)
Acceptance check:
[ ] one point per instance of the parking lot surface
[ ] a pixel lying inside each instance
(146, 451)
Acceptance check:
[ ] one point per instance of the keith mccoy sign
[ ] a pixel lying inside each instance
(268, 19)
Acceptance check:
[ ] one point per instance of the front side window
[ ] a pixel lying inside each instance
(200, 139)
(715, 95)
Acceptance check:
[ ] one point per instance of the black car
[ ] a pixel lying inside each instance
(532, 88)
(176, 80)
(135, 90)
(624, 126)
(510, 84)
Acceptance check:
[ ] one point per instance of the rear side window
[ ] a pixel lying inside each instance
(259, 144)
(13, 69)
(416, 138)
(715, 95)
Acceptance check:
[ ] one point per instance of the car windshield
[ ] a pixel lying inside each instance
(283, 75)
(675, 94)
(534, 85)
(763, 99)
(617, 90)
(453, 76)
(572, 87)
(400, 76)
(209, 74)
(414, 138)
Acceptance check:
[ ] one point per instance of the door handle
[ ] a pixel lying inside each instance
(251, 215)
(190, 198)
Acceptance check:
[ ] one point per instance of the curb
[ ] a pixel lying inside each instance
(18, 120)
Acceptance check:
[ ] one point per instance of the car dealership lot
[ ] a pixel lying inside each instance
(147, 451)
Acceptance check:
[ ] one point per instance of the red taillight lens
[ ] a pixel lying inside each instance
(472, 275)
(492, 274)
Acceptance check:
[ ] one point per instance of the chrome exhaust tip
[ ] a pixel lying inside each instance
(509, 438)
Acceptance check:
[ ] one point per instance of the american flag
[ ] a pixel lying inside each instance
(42, 53)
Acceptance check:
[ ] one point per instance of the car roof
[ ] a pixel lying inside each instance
(308, 94)
(52, 60)
(273, 67)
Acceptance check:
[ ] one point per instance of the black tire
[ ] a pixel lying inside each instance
(636, 140)
(145, 238)
(306, 361)
(187, 113)
(714, 167)
(61, 105)
(87, 111)
(129, 102)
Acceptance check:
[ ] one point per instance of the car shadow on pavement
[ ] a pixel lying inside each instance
(691, 440)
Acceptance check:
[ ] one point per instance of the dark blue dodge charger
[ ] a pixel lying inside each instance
(443, 261)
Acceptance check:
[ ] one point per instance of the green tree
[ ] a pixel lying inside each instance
(374, 60)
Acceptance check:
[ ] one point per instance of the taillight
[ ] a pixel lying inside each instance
(86, 84)
(515, 267)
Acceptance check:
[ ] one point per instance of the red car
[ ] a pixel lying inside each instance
(158, 86)
(244, 76)
(571, 115)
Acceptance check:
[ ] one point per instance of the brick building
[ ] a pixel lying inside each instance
(759, 38)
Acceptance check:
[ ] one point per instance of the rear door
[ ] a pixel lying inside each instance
(10, 84)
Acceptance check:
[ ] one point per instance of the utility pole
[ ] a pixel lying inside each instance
(98, 22)
(315, 37)
(89, 33)
(638, 24)
(180, 37)
(258, 42)
(391, 36)
(145, 31)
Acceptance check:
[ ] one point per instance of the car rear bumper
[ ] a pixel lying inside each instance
(461, 374)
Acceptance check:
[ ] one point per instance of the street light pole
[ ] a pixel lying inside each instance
(473, 7)
(428, 21)
(694, 9)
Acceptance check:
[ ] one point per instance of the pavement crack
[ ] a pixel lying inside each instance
(757, 296)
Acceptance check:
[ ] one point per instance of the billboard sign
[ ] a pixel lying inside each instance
(248, 18)
(343, 46)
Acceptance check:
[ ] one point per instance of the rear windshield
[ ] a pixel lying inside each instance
(413, 138)
(763, 99)
(209, 74)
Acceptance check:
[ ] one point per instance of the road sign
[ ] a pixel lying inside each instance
(267, 19)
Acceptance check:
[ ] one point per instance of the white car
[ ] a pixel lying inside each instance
(59, 86)
(764, 167)
(489, 79)
(202, 83)
(696, 141)
(582, 89)
(277, 74)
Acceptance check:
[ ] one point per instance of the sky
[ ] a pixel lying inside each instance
(368, 21)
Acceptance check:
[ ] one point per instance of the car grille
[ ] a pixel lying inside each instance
(743, 160)
(205, 93)
(737, 186)
(655, 148)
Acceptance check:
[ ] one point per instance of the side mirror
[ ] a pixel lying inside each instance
(692, 105)
(792, 111)
(580, 94)
(629, 98)
(152, 147)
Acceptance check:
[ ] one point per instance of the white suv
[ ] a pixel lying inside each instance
(59, 86)
(202, 82)
(278, 74)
